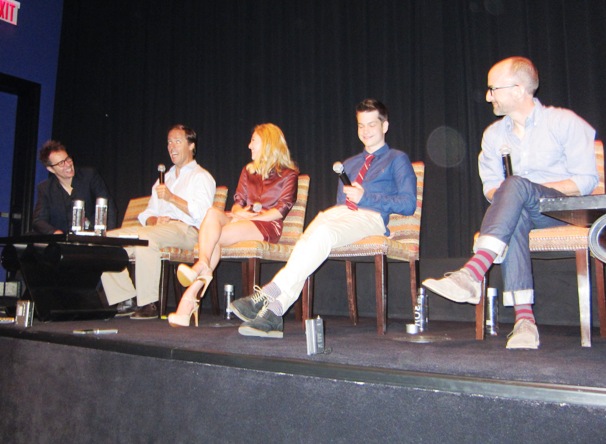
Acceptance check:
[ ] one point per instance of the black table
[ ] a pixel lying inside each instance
(62, 272)
(582, 211)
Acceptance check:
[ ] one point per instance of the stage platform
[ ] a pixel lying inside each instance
(151, 382)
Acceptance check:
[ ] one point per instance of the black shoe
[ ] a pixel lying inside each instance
(247, 308)
(125, 308)
(149, 311)
(267, 324)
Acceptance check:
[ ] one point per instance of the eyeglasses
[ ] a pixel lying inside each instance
(62, 163)
(492, 89)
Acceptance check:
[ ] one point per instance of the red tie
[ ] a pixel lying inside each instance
(369, 158)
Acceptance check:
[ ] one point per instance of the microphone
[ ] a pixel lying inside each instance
(337, 167)
(257, 207)
(161, 170)
(506, 158)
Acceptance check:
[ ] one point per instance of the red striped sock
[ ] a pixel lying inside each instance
(524, 311)
(479, 264)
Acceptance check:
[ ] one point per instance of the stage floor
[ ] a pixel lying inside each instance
(364, 390)
(446, 348)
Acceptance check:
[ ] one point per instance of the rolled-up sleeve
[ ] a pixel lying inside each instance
(200, 197)
(578, 142)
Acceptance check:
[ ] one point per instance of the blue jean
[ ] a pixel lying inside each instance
(507, 223)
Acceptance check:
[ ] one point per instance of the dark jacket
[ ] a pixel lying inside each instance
(53, 209)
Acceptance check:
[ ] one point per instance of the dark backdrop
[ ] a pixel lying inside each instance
(129, 70)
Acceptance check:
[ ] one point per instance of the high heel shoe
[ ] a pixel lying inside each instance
(177, 320)
(186, 275)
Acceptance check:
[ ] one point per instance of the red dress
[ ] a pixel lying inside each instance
(278, 191)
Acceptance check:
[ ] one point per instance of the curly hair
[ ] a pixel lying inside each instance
(49, 147)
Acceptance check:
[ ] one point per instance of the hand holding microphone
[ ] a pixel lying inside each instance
(162, 190)
(161, 171)
(352, 195)
(506, 158)
(337, 167)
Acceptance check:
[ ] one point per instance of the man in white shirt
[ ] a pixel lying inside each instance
(174, 213)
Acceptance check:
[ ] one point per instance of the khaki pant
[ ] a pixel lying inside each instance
(119, 287)
(335, 227)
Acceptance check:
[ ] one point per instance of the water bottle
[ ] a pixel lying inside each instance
(228, 293)
(78, 216)
(492, 312)
(101, 216)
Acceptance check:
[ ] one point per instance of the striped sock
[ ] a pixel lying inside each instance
(524, 311)
(479, 264)
(274, 305)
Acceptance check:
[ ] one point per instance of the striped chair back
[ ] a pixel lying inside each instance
(407, 229)
(220, 197)
(599, 159)
(135, 207)
(295, 219)
(139, 204)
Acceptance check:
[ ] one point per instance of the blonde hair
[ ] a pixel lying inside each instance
(274, 151)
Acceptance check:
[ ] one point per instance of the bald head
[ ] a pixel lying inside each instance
(521, 70)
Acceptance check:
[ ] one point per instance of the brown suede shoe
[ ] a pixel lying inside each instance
(147, 312)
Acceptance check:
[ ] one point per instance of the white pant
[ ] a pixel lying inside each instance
(335, 227)
(119, 287)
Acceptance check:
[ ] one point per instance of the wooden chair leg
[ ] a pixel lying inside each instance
(246, 278)
(584, 284)
(600, 294)
(251, 276)
(381, 292)
(163, 291)
(414, 285)
(352, 299)
(307, 297)
(298, 310)
(214, 295)
(480, 310)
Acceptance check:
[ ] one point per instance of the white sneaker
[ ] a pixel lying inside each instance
(458, 286)
(524, 335)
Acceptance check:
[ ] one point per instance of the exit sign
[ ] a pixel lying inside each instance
(9, 10)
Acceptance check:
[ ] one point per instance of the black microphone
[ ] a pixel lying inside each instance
(161, 170)
(337, 167)
(506, 158)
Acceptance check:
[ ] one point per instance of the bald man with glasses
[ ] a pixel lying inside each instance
(53, 211)
(552, 155)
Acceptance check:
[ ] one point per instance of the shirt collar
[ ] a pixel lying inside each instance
(532, 120)
(537, 113)
(187, 167)
(377, 153)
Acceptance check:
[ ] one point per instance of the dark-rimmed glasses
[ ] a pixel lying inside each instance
(492, 89)
(62, 163)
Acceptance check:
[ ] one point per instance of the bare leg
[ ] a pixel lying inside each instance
(229, 233)
(208, 239)
(188, 298)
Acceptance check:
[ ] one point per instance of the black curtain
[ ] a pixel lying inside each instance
(129, 70)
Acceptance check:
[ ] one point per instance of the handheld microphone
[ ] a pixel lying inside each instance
(506, 158)
(337, 167)
(161, 170)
